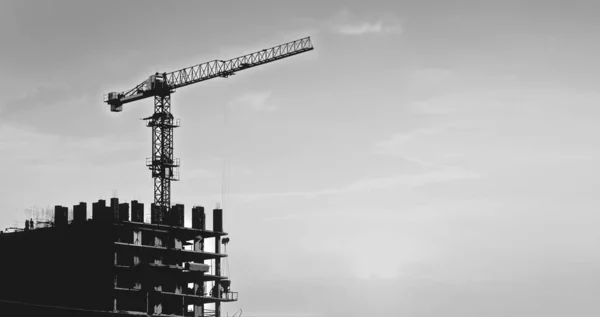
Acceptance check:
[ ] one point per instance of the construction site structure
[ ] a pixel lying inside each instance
(160, 86)
(115, 263)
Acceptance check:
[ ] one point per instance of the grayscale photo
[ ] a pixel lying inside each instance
(272, 158)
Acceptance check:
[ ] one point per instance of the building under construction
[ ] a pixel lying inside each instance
(117, 263)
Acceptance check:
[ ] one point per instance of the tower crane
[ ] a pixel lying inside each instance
(160, 86)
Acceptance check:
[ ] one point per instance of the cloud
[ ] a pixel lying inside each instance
(402, 144)
(44, 95)
(32, 149)
(437, 77)
(405, 137)
(411, 180)
(466, 104)
(378, 27)
(256, 101)
(284, 217)
(407, 181)
(346, 24)
(55, 109)
(199, 173)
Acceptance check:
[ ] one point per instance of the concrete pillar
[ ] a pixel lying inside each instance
(114, 206)
(177, 213)
(137, 211)
(61, 216)
(198, 222)
(218, 273)
(156, 214)
(198, 218)
(218, 220)
(80, 212)
(124, 212)
(98, 210)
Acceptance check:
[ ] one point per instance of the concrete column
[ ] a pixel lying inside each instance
(218, 273)
(137, 211)
(198, 218)
(98, 209)
(80, 212)
(61, 216)
(114, 206)
(123, 212)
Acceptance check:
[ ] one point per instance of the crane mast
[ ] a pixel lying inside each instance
(160, 86)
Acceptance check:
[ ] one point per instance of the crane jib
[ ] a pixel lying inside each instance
(201, 72)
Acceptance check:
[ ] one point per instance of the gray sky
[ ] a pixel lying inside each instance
(429, 158)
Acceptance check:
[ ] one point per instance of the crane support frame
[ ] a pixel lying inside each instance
(163, 165)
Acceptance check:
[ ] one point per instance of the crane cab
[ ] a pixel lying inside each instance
(157, 82)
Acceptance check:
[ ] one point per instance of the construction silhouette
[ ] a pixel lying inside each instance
(114, 263)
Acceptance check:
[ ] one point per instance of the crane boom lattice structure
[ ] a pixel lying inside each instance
(163, 165)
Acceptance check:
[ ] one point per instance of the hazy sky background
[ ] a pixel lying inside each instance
(428, 158)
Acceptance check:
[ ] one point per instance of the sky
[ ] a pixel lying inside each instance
(428, 158)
